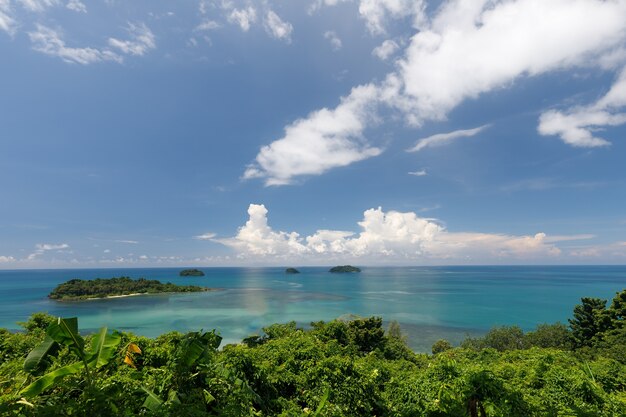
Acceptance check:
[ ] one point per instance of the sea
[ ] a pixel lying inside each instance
(430, 303)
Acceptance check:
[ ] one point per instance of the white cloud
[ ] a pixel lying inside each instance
(6, 259)
(376, 12)
(386, 236)
(421, 173)
(205, 236)
(50, 246)
(77, 6)
(471, 48)
(577, 125)
(7, 22)
(41, 248)
(243, 17)
(443, 138)
(208, 25)
(50, 42)
(334, 40)
(277, 28)
(386, 49)
(326, 139)
(38, 5)
(468, 48)
(130, 242)
(142, 40)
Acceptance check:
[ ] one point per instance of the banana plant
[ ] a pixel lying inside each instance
(64, 332)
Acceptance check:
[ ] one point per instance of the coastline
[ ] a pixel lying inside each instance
(132, 295)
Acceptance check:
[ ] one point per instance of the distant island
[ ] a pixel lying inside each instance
(344, 268)
(191, 273)
(80, 289)
(291, 271)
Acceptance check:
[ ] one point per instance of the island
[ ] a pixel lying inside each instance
(191, 273)
(344, 268)
(291, 271)
(81, 289)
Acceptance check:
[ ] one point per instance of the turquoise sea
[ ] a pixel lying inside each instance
(429, 302)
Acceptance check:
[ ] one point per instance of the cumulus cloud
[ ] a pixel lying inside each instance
(325, 139)
(386, 49)
(205, 236)
(466, 49)
(276, 27)
(50, 42)
(577, 126)
(385, 236)
(334, 40)
(77, 6)
(444, 138)
(142, 40)
(243, 17)
(7, 22)
(6, 259)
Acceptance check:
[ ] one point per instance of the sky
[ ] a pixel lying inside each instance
(312, 132)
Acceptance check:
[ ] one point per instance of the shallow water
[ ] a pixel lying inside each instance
(429, 302)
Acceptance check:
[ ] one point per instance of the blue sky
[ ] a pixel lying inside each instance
(317, 132)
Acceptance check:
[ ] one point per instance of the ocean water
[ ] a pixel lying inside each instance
(430, 303)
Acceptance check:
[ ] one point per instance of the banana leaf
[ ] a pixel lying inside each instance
(103, 347)
(50, 379)
(37, 356)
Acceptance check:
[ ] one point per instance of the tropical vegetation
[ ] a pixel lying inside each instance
(80, 289)
(344, 268)
(337, 368)
(191, 273)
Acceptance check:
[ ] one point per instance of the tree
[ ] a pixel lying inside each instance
(590, 320)
(441, 345)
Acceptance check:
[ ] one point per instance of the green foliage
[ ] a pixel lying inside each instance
(338, 368)
(191, 273)
(78, 289)
(441, 345)
(589, 321)
(344, 269)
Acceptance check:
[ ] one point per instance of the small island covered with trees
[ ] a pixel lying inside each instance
(80, 289)
(344, 269)
(291, 271)
(191, 273)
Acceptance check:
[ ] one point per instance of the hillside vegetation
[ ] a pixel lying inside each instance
(336, 368)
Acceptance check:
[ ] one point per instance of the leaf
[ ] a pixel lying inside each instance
(152, 402)
(103, 347)
(322, 403)
(65, 332)
(208, 398)
(50, 379)
(130, 349)
(37, 356)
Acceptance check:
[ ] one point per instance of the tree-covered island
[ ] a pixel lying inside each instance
(191, 273)
(80, 289)
(344, 269)
(291, 271)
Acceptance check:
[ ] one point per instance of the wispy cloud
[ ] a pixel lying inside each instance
(7, 21)
(205, 236)
(142, 40)
(77, 6)
(130, 242)
(420, 173)
(276, 27)
(41, 248)
(334, 40)
(38, 5)
(208, 25)
(244, 18)
(50, 42)
(386, 49)
(445, 138)
(6, 259)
